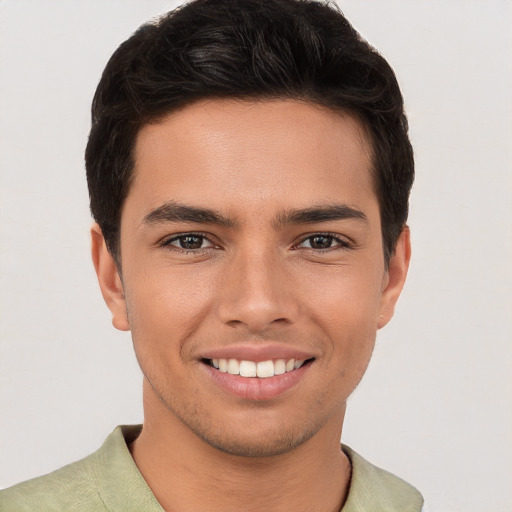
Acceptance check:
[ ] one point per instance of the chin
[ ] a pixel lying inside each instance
(257, 441)
(256, 448)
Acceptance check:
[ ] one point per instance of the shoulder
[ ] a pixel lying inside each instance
(106, 480)
(373, 488)
(69, 488)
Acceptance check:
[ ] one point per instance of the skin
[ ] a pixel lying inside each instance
(258, 279)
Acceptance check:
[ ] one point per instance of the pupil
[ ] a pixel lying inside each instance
(191, 242)
(321, 242)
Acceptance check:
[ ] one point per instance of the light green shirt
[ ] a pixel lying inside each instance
(109, 481)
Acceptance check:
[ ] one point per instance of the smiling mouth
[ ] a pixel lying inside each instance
(261, 369)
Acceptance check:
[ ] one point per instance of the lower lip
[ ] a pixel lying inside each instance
(254, 388)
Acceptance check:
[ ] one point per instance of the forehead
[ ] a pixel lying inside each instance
(224, 151)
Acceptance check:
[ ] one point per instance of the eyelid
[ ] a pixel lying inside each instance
(167, 240)
(344, 242)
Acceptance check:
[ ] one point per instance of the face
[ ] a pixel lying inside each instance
(253, 277)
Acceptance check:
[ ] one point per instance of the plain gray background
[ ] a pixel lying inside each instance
(436, 404)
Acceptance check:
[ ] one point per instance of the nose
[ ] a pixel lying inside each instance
(258, 292)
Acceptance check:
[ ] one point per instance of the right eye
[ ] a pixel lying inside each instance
(188, 242)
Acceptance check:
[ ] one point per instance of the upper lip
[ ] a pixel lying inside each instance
(257, 353)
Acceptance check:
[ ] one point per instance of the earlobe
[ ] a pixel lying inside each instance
(109, 279)
(394, 278)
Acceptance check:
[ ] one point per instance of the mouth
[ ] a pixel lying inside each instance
(257, 369)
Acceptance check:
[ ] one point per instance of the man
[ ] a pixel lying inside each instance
(249, 171)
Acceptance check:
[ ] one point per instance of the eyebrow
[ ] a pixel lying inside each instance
(323, 213)
(175, 212)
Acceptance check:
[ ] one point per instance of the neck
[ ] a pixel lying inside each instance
(185, 473)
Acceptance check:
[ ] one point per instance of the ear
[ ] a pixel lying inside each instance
(109, 279)
(394, 277)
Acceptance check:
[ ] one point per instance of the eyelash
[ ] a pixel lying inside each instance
(168, 241)
(342, 243)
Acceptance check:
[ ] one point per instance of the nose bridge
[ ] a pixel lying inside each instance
(255, 292)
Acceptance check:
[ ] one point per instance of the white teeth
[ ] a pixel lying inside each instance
(279, 367)
(247, 369)
(265, 369)
(233, 367)
(262, 369)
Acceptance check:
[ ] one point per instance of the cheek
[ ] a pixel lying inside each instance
(347, 297)
(346, 310)
(165, 309)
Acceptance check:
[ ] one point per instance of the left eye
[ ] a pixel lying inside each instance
(189, 242)
(322, 242)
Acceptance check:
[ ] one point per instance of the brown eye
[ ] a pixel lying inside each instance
(320, 242)
(323, 242)
(189, 242)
